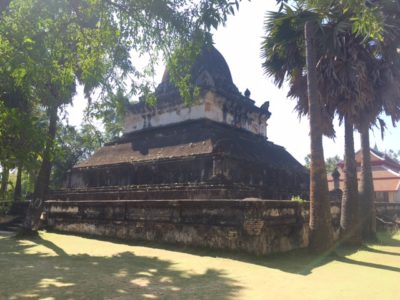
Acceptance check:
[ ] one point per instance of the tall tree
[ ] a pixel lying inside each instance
(73, 145)
(290, 50)
(49, 46)
(350, 225)
(363, 82)
(320, 217)
(386, 78)
(4, 182)
(344, 28)
(18, 184)
(20, 134)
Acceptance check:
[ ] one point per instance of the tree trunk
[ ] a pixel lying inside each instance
(367, 195)
(321, 238)
(18, 189)
(31, 222)
(350, 225)
(4, 182)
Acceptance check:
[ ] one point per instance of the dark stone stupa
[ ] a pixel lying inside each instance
(216, 148)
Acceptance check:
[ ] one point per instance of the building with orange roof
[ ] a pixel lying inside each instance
(385, 173)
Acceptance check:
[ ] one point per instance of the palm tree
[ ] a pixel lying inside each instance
(363, 78)
(320, 226)
(345, 85)
(347, 79)
(385, 71)
(290, 35)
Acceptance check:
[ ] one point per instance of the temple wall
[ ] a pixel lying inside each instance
(220, 110)
(268, 182)
(249, 226)
(194, 169)
(252, 226)
(210, 106)
(161, 117)
(278, 184)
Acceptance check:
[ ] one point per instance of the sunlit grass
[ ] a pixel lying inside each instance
(56, 266)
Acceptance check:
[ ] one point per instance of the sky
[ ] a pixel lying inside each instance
(240, 42)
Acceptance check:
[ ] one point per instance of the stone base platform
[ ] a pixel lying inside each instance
(253, 226)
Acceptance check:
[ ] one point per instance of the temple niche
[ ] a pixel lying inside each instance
(214, 148)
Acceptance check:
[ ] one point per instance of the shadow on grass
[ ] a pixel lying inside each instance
(298, 261)
(378, 251)
(123, 276)
(46, 243)
(384, 239)
(302, 262)
(367, 264)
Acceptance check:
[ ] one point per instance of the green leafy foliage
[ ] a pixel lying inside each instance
(21, 137)
(367, 20)
(72, 146)
(358, 73)
(180, 64)
(298, 199)
(330, 162)
(49, 47)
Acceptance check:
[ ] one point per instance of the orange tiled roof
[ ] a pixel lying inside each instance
(385, 180)
(386, 185)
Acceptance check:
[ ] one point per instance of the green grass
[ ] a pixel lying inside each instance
(56, 266)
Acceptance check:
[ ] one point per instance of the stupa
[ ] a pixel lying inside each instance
(214, 148)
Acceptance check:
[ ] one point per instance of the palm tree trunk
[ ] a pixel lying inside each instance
(367, 195)
(4, 182)
(350, 224)
(18, 189)
(321, 237)
(31, 222)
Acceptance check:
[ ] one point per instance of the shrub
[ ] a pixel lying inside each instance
(298, 199)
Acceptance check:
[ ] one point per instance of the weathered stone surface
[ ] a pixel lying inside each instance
(223, 224)
(211, 106)
(253, 226)
(196, 160)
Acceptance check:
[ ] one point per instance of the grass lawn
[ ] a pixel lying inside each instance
(56, 266)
